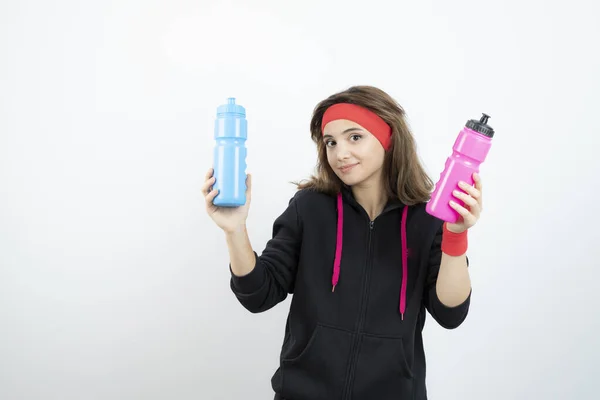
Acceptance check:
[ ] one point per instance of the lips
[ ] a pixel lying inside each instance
(348, 168)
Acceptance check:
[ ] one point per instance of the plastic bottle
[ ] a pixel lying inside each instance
(229, 163)
(469, 152)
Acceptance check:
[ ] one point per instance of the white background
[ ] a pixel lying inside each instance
(114, 283)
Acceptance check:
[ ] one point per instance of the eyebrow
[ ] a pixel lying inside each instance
(346, 131)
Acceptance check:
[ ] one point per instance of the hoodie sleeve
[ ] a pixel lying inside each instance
(274, 274)
(447, 317)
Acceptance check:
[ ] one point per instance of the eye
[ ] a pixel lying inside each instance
(355, 138)
(329, 143)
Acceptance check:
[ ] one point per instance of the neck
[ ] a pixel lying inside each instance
(371, 196)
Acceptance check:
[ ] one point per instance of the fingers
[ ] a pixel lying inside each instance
(207, 186)
(248, 186)
(210, 193)
(477, 180)
(468, 200)
(478, 186)
(210, 196)
(473, 191)
(209, 180)
(466, 214)
(472, 199)
(471, 205)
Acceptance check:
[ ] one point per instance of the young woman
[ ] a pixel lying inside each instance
(360, 255)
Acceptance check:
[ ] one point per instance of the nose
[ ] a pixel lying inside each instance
(342, 152)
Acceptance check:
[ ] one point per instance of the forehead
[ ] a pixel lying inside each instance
(339, 126)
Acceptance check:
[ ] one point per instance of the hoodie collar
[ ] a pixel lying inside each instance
(348, 195)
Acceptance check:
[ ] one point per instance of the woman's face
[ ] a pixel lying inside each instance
(354, 154)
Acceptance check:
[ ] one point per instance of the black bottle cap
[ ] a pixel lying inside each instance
(481, 126)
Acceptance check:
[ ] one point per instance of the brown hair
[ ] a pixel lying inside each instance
(404, 176)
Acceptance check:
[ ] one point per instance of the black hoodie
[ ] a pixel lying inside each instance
(363, 340)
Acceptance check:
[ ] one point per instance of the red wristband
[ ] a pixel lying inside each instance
(454, 244)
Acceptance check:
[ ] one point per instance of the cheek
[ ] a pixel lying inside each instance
(330, 156)
(373, 157)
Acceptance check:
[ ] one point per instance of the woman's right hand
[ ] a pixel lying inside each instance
(230, 219)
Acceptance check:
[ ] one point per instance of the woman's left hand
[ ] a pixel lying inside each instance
(472, 199)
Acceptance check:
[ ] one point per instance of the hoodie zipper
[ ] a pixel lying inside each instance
(363, 310)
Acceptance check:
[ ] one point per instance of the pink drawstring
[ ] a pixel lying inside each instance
(338, 252)
(338, 242)
(404, 263)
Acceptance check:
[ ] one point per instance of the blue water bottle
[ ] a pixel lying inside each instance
(231, 132)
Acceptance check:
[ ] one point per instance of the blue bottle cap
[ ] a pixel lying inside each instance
(231, 109)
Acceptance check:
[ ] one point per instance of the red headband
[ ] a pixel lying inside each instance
(362, 116)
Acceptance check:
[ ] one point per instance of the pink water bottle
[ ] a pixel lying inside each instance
(469, 151)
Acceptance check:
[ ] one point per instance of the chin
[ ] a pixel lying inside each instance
(350, 180)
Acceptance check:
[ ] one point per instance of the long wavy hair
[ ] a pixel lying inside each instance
(403, 174)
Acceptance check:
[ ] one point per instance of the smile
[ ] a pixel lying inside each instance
(348, 168)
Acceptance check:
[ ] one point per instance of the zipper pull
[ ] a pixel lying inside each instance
(371, 224)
